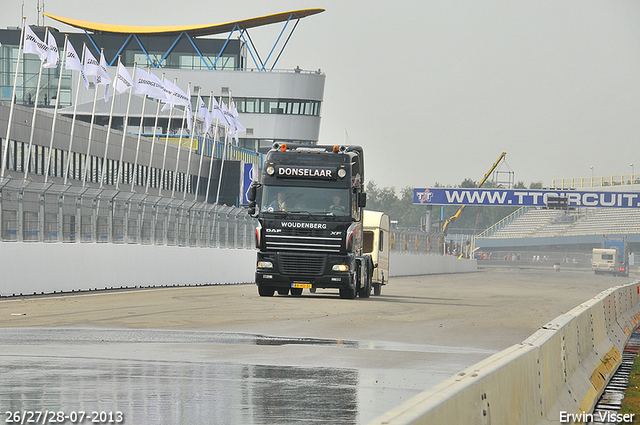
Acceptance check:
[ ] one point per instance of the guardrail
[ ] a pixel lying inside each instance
(560, 370)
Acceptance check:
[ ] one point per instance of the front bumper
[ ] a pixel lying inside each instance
(304, 270)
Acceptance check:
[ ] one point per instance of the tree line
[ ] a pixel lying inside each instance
(400, 208)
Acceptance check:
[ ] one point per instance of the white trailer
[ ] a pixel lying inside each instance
(376, 244)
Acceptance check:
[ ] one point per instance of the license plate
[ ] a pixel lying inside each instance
(302, 285)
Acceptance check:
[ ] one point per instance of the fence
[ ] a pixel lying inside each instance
(46, 212)
(414, 242)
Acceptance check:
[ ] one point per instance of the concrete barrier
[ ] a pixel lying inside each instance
(43, 268)
(561, 370)
(29, 268)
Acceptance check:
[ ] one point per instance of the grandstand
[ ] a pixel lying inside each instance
(537, 227)
(576, 229)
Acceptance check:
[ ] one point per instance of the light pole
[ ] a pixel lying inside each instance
(632, 173)
(592, 176)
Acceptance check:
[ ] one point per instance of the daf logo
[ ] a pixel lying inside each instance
(335, 233)
(273, 230)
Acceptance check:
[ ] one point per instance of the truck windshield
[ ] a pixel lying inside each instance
(312, 200)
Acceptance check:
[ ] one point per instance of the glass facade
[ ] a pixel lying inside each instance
(161, 51)
(26, 86)
(249, 105)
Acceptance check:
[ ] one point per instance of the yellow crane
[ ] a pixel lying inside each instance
(454, 217)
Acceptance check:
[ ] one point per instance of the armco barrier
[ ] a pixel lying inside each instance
(560, 370)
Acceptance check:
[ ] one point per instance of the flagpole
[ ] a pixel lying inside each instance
(13, 102)
(135, 163)
(93, 114)
(55, 111)
(193, 132)
(153, 142)
(166, 143)
(33, 119)
(73, 123)
(184, 116)
(203, 146)
(224, 155)
(213, 149)
(124, 129)
(106, 144)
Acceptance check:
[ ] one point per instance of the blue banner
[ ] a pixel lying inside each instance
(249, 174)
(524, 197)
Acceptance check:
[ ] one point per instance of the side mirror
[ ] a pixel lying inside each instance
(362, 200)
(252, 194)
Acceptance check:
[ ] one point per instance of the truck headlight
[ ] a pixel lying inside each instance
(340, 268)
(265, 265)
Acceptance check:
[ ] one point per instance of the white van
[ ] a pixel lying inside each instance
(376, 243)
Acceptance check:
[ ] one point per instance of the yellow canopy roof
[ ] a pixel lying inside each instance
(192, 30)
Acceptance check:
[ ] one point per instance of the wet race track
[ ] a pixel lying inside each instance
(224, 355)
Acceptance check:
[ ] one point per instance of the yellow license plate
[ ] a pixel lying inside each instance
(302, 285)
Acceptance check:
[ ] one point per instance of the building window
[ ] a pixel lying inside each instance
(277, 106)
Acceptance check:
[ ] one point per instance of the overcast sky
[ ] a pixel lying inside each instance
(436, 90)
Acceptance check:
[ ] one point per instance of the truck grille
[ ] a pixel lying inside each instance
(302, 265)
(308, 240)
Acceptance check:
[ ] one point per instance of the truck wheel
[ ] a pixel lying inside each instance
(265, 291)
(296, 292)
(377, 288)
(283, 291)
(348, 293)
(365, 281)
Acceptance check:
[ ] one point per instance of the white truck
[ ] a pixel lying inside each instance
(612, 258)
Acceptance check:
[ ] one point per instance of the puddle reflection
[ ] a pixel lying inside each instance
(178, 393)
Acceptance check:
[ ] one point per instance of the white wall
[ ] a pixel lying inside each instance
(29, 268)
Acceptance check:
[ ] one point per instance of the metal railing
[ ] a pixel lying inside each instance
(414, 241)
(600, 181)
(502, 223)
(46, 212)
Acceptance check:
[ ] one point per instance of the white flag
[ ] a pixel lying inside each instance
(175, 96)
(32, 44)
(149, 84)
(104, 78)
(73, 62)
(239, 127)
(92, 67)
(218, 113)
(203, 112)
(233, 124)
(53, 58)
(124, 81)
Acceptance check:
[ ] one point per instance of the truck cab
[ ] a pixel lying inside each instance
(310, 205)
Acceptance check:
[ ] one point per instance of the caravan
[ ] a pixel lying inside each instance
(376, 243)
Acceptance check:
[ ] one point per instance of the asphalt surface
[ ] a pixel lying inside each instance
(224, 355)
